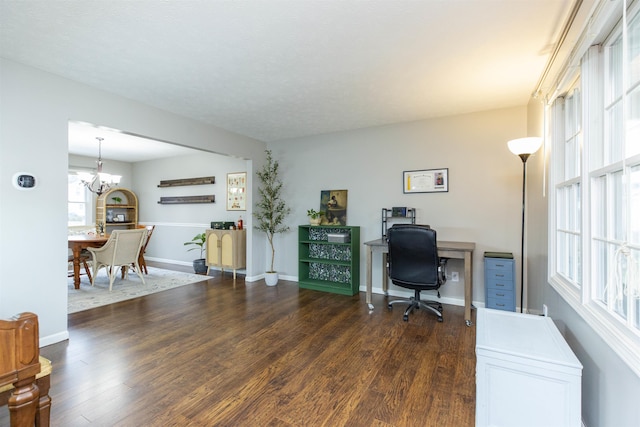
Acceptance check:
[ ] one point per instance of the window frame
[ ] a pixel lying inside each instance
(88, 202)
(620, 334)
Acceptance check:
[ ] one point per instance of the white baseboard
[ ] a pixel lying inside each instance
(55, 338)
(261, 276)
(408, 294)
(168, 261)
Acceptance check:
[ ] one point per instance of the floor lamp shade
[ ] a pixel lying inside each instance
(523, 147)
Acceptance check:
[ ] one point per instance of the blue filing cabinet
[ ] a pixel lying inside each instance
(499, 281)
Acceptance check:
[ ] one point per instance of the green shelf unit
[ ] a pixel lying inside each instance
(328, 266)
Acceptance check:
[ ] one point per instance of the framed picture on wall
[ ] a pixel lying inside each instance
(237, 191)
(333, 204)
(426, 181)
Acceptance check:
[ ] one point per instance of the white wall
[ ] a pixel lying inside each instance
(176, 224)
(34, 113)
(483, 204)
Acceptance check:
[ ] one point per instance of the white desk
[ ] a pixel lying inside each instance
(455, 250)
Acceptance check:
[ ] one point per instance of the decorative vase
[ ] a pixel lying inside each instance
(315, 221)
(271, 278)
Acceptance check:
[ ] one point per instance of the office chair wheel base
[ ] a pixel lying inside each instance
(440, 319)
(405, 318)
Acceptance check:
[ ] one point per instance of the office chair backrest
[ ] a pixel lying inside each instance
(413, 256)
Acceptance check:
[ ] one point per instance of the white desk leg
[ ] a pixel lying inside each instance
(368, 273)
(385, 274)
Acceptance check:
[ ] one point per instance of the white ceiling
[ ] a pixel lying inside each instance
(280, 69)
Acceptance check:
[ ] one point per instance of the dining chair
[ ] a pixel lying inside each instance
(141, 261)
(121, 250)
(85, 259)
(85, 256)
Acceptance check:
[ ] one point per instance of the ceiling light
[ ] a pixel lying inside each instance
(100, 182)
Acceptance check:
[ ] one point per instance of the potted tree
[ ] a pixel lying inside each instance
(200, 264)
(271, 209)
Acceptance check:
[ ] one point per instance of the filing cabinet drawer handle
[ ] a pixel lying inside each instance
(500, 295)
(500, 305)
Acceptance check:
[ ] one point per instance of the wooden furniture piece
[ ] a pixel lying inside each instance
(526, 374)
(226, 249)
(187, 181)
(141, 261)
(329, 266)
(24, 375)
(182, 200)
(499, 281)
(84, 258)
(78, 242)
(117, 216)
(446, 249)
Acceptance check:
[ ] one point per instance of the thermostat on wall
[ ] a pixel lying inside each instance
(24, 181)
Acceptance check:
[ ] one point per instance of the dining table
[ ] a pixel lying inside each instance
(79, 242)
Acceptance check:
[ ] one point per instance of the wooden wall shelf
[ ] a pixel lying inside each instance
(187, 199)
(188, 181)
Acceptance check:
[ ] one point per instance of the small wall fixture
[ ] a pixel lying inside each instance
(24, 181)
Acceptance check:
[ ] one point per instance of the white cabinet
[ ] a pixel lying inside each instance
(226, 249)
(526, 374)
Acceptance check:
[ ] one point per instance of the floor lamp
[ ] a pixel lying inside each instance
(523, 147)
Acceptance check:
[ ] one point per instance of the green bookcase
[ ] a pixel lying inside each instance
(329, 266)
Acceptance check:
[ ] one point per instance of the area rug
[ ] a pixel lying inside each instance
(95, 296)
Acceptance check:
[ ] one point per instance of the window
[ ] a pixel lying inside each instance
(568, 198)
(595, 209)
(80, 201)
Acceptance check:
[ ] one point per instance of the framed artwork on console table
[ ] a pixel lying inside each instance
(237, 191)
(426, 181)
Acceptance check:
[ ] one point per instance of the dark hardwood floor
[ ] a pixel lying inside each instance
(219, 353)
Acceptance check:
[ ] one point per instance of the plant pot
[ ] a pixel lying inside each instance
(271, 278)
(315, 221)
(200, 266)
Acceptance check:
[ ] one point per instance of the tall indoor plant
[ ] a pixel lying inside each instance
(200, 264)
(271, 209)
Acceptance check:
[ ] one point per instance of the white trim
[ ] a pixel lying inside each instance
(619, 339)
(176, 224)
(55, 338)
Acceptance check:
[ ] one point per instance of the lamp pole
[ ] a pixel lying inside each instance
(524, 147)
(524, 157)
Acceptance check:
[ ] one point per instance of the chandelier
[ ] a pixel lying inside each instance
(100, 182)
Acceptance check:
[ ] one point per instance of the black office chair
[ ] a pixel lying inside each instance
(413, 263)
